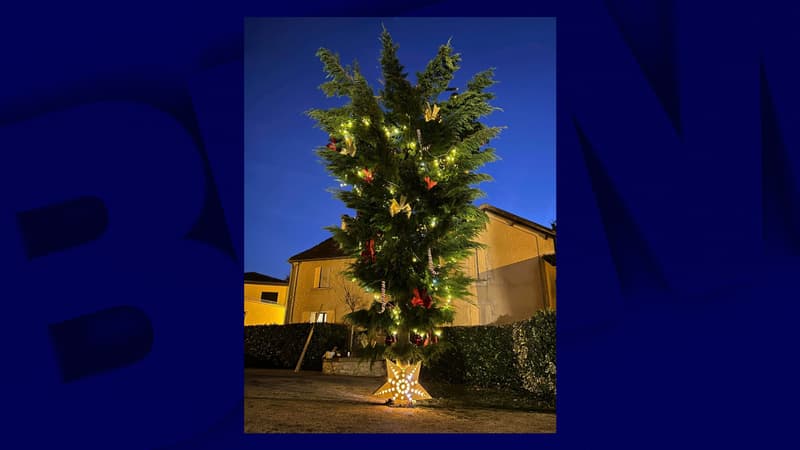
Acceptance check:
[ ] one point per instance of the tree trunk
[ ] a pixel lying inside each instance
(403, 343)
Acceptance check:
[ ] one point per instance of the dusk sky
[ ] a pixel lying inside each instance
(286, 201)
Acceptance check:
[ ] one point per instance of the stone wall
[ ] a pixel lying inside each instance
(354, 367)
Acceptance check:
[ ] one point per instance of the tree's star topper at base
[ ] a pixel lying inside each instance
(401, 385)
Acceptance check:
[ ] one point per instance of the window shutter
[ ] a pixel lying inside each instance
(326, 278)
(317, 276)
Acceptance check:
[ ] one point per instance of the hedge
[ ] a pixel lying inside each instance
(280, 346)
(535, 351)
(518, 355)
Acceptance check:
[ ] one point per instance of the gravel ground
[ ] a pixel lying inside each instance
(281, 401)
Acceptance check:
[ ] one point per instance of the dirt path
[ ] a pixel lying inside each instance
(280, 401)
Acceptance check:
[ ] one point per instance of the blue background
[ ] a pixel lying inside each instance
(121, 225)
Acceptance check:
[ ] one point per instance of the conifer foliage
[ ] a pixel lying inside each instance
(406, 158)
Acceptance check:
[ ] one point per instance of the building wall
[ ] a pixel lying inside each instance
(257, 312)
(515, 281)
(329, 298)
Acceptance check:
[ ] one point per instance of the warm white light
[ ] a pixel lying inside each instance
(365, 120)
(402, 382)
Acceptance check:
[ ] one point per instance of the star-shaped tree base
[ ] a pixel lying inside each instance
(401, 385)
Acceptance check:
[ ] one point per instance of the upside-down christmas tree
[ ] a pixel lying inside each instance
(406, 160)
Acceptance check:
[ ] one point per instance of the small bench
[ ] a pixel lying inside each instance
(353, 367)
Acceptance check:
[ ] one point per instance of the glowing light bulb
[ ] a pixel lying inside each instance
(412, 145)
(438, 333)
(365, 121)
(414, 259)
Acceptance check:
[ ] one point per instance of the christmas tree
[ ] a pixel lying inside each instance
(406, 161)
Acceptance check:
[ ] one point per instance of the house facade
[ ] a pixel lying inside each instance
(515, 276)
(264, 299)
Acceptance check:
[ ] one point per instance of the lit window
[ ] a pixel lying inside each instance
(318, 317)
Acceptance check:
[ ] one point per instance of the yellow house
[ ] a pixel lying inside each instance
(515, 276)
(264, 299)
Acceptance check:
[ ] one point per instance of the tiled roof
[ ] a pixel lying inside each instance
(515, 218)
(261, 278)
(324, 250)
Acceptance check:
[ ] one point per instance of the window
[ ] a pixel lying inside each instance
(269, 297)
(322, 277)
(319, 317)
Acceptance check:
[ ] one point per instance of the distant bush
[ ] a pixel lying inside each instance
(280, 346)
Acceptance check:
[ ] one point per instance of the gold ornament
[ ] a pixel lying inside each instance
(396, 207)
(432, 113)
(401, 384)
(349, 146)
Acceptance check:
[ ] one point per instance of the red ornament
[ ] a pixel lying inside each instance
(369, 252)
(332, 144)
(421, 298)
(430, 183)
(367, 175)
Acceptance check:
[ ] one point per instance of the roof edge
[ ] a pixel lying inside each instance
(517, 219)
(268, 283)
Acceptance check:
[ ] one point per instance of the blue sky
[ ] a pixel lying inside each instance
(286, 202)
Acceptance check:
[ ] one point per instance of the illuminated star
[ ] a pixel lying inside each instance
(401, 385)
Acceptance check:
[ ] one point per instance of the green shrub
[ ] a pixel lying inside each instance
(478, 355)
(535, 350)
(518, 356)
(280, 346)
